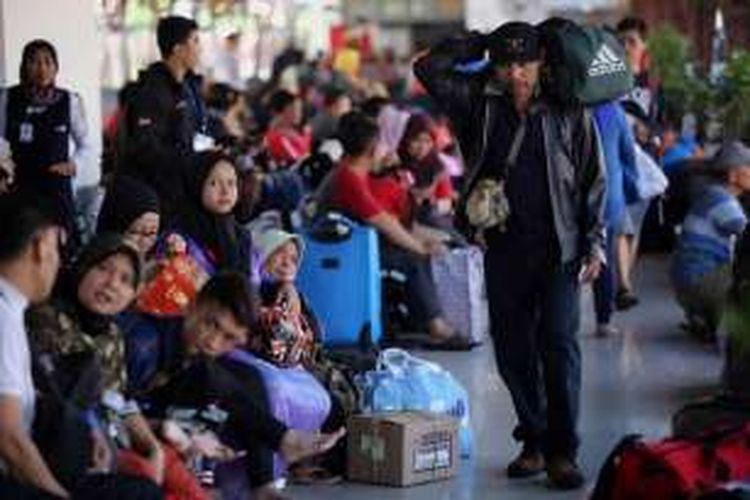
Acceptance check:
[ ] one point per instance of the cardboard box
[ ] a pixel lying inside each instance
(402, 448)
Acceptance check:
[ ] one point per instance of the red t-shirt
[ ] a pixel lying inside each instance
(351, 193)
(444, 188)
(392, 192)
(288, 146)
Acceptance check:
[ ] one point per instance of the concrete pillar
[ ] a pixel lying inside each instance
(71, 26)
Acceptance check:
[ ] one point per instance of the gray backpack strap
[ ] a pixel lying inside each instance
(510, 160)
(515, 147)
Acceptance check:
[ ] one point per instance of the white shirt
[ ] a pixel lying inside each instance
(15, 356)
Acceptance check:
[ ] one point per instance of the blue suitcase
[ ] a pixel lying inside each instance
(340, 277)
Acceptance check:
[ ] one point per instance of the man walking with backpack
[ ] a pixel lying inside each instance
(543, 232)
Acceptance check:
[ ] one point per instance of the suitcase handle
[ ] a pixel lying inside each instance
(331, 227)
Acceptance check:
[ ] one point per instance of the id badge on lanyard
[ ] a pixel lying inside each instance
(26, 133)
(26, 129)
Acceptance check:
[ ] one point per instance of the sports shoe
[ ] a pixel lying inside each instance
(528, 463)
(564, 474)
(606, 330)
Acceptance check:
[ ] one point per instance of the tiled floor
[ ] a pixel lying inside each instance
(632, 384)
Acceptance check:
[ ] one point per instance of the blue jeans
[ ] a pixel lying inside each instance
(535, 316)
(605, 286)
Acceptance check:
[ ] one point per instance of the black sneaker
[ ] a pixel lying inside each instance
(700, 330)
(527, 464)
(625, 300)
(564, 474)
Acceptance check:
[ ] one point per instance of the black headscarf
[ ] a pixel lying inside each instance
(125, 200)
(220, 234)
(100, 248)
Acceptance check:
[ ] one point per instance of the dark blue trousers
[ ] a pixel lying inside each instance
(535, 316)
(605, 286)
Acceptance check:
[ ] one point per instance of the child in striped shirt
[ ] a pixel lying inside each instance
(701, 268)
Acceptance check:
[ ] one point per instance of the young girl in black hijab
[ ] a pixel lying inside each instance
(206, 217)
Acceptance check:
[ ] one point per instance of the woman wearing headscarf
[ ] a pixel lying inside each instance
(206, 217)
(432, 189)
(80, 320)
(40, 120)
(288, 330)
(131, 209)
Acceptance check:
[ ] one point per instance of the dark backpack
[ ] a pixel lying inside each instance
(282, 190)
(66, 387)
(583, 64)
(314, 169)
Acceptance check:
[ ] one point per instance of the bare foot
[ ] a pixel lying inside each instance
(445, 338)
(296, 445)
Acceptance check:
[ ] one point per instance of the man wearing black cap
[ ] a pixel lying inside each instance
(548, 163)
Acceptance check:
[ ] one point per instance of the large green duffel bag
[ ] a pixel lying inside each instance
(583, 64)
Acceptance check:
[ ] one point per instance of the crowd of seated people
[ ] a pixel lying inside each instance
(175, 306)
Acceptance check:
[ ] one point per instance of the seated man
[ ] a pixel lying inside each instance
(347, 189)
(29, 260)
(198, 375)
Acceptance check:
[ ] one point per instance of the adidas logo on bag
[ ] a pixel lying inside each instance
(606, 62)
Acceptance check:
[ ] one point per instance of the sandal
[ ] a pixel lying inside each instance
(313, 475)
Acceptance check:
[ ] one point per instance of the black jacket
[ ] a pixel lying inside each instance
(160, 125)
(575, 166)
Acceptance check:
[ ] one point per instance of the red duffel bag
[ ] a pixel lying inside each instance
(674, 469)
